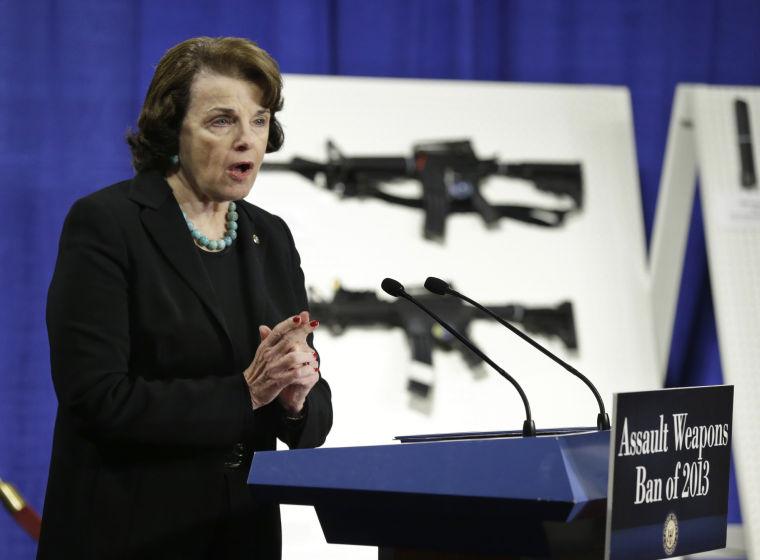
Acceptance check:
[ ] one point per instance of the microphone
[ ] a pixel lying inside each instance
(438, 286)
(396, 289)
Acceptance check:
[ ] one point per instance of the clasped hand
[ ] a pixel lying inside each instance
(285, 367)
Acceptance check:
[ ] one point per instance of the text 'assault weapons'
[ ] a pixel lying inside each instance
(451, 175)
(365, 309)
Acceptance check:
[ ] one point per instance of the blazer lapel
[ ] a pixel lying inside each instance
(163, 220)
(253, 253)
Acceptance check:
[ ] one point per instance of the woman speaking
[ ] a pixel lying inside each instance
(179, 332)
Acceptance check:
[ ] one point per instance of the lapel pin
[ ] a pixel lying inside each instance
(255, 239)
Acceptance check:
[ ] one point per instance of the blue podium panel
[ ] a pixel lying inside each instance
(525, 496)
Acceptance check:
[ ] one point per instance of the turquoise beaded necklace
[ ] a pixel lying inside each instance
(230, 232)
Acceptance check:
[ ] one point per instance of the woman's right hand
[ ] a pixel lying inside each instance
(280, 359)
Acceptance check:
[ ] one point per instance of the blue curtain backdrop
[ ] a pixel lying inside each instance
(73, 75)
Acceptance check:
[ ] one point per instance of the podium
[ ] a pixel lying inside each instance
(542, 497)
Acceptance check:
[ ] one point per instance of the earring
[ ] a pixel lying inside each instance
(174, 159)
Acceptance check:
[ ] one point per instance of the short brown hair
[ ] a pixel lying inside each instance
(156, 139)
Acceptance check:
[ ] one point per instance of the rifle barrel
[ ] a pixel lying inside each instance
(393, 165)
(386, 165)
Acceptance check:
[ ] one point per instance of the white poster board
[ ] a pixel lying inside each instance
(703, 141)
(597, 259)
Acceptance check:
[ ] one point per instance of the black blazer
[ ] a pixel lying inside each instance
(149, 403)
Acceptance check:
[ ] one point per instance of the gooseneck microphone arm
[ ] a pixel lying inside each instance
(396, 289)
(440, 287)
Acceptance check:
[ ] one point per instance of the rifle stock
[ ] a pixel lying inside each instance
(556, 321)
(555, 178)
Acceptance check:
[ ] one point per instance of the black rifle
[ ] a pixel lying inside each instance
(350, 308)
(744, 134)
(450, 174)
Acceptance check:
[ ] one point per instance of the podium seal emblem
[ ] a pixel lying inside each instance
(670, 533)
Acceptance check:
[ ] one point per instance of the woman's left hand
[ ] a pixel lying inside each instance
(293, 396)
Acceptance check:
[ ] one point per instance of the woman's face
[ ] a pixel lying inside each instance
(223, 138)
